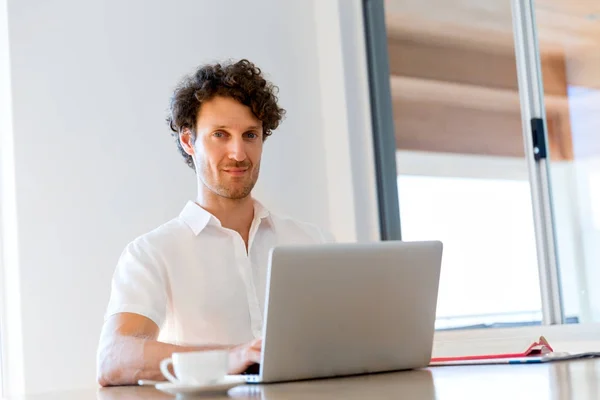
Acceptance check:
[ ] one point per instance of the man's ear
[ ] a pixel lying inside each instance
(187, 138)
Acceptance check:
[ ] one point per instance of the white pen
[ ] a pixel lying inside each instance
(147, 382)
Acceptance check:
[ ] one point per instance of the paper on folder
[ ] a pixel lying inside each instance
(488, 351)
(510, 351)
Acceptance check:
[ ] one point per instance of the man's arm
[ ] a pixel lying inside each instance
(129, 351)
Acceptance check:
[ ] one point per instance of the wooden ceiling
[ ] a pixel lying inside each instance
(454, 82)
(567, 22)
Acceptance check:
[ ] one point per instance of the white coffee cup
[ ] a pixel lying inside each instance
(197, 367)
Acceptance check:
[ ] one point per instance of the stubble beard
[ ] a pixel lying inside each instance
(233, 190)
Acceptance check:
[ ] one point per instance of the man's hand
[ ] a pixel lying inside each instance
(129, 351)
(243, 356)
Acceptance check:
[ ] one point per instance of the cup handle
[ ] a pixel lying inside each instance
(164, 368)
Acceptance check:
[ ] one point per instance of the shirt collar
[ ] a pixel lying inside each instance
(197, 218)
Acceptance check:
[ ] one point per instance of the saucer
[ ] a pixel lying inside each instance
(186, 389)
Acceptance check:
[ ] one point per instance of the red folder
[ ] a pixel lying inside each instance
(538, 348)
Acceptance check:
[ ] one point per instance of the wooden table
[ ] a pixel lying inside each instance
(578, 380)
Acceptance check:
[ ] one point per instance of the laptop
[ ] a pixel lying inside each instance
(347, 309)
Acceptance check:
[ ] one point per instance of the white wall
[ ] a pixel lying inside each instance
(10, 333)
(346, 120)
(94, 164)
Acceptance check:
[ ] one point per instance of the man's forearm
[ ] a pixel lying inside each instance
(127, 359)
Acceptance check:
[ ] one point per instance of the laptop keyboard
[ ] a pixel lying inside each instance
(253, 369)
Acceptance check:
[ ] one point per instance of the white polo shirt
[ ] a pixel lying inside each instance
(196, 281)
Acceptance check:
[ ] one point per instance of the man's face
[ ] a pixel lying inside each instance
(228, 147)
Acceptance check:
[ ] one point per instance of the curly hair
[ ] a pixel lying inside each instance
(242, 81)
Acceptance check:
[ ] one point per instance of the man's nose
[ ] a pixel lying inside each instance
(237, 150)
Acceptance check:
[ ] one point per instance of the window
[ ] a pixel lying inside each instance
(461, 92)
(487, 231)
(486, 226)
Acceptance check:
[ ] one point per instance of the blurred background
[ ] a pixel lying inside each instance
(462, 172)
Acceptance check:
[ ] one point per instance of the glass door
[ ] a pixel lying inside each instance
(461, 171)
(569, 45)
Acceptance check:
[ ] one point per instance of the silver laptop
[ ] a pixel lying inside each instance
(346, 309)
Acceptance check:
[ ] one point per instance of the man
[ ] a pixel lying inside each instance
(198, 282)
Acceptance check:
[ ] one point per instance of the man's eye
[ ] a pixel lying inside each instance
(252, 135)
(218, 134)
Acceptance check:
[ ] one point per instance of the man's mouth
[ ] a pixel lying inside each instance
(236, 171)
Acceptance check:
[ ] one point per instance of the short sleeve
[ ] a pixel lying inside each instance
(139, 285)
(327, 237)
